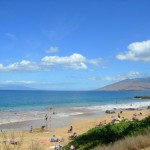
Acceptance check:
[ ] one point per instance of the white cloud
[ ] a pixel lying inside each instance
(74, 62)
(24, 65)
(95, 62)
(115, 78)
(1, 67)
(137, 51)
(133, 74)
(18, 82)
(77, 66)
(52, 49)
(119, 77)
(129, 75)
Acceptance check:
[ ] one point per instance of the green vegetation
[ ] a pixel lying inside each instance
(138, 142)
(109, 134)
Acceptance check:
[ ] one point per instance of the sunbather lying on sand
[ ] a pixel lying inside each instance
(102, 123)
(112, 121)
(134, 118)
(14, 141)
(74, 135)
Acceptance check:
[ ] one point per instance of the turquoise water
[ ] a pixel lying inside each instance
(42, 99)
(16, 106)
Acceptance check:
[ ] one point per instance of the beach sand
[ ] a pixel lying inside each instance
(79, 126)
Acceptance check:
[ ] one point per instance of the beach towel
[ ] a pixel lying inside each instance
(44, 141)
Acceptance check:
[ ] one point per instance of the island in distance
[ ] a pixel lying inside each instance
(136, 84)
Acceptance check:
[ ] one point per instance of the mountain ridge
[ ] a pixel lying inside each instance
(128, 84)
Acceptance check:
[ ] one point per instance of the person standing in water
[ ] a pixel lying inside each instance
(46, 117)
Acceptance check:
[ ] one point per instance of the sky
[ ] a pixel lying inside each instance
(73, 44)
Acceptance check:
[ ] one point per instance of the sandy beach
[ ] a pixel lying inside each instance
(79, 126)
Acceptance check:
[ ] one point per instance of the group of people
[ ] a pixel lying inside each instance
(74, 135)
(102, 123)
(54, 139)
(118, 118)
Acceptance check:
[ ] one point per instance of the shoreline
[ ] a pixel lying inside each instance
(80, 126)
(25, 118)
(59, 122)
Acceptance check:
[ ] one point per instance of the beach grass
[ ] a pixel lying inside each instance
(138, 142)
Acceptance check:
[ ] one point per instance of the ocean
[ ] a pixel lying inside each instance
(26, 108)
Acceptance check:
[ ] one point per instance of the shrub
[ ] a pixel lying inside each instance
(108, 134)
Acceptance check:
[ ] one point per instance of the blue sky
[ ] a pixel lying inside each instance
(73, 44)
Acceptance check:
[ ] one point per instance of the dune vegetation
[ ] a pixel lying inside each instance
(109, 134)
(138, 142)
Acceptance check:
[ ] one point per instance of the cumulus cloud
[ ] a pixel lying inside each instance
(137, 51)
(24, 65)
(52, 49)
(73, 62)
(129, 75)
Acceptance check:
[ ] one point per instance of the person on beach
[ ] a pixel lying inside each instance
(102, 123)
(134, 118)
(73, 136)
(53, 139)
(112, 121)
(43, 128)
(71, 129)
(14, 141)
(31, 129)
(72, 147)
(46, 117)
(46, 125)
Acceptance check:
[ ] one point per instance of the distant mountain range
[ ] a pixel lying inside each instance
(128, 84)
(15, 87)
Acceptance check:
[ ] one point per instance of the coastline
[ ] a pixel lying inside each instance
(60, 116)
(53, 121)
(80, 125)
